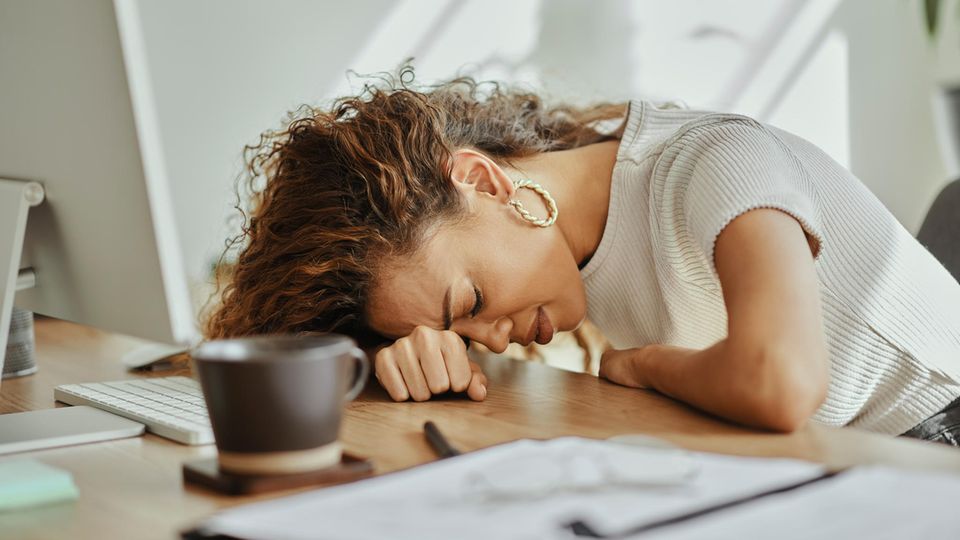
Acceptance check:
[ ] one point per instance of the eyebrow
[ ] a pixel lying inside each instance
(447, 313)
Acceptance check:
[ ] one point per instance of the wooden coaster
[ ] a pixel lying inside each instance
(207, 473)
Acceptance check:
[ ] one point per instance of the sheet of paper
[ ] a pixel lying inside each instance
(878, 503)
(602, 484)
(442, 500)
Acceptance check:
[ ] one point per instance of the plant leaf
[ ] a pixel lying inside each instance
(931, 9)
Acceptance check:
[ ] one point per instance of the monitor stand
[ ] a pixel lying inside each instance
(16, 198)
(52, 427)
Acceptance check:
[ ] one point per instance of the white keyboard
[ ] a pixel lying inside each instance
(171, 407)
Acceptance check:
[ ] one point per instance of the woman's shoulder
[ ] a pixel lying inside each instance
(650, 126)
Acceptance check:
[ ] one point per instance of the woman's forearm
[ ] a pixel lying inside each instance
(759, 388)
(771, 370)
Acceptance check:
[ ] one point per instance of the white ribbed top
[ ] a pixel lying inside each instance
(891, 311)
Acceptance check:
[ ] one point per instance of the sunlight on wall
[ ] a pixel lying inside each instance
(817, 105)
(452, 36)
(700, 52)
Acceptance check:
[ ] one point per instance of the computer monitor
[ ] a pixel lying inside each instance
(78, 118)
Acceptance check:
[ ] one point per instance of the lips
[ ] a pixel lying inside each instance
(544, 328)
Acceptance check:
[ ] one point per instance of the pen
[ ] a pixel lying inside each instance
(438, 442)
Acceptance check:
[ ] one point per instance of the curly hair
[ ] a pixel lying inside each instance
(341, 189)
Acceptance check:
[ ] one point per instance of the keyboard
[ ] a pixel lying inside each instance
(170, 407)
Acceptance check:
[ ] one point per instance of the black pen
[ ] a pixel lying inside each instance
(438, 442)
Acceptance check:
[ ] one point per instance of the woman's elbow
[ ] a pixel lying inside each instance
(788, 413)
(794, 388)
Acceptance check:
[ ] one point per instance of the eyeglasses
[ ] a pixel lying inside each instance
(622, 462)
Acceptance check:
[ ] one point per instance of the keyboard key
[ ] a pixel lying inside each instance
(171, 407)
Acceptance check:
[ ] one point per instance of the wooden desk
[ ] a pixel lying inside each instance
(132, 488)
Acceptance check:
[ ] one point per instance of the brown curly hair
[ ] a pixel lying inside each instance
(341, 189)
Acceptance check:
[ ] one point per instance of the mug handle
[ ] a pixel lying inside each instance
(361, 381)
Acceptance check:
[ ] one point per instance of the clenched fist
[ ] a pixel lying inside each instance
(428, 362)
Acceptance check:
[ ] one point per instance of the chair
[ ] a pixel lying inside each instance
(940, 232)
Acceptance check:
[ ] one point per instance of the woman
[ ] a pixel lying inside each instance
(732, 265)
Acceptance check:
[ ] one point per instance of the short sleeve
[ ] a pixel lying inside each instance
(725, 166)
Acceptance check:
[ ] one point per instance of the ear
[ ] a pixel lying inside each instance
(472, 171)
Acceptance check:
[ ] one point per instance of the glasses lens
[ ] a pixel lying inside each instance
(523, 477)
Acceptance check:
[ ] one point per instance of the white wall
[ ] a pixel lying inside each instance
(223, 71)
(945, 52)
(893, 74)
(855, 76)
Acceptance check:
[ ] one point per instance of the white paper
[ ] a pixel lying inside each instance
(878, 503)
(439, 500)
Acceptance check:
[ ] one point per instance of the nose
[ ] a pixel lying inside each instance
(494, 336)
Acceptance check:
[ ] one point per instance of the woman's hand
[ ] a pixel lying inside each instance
(637, 367)
(428, 362)
(624, 367)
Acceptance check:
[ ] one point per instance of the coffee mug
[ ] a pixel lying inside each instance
(275, 402)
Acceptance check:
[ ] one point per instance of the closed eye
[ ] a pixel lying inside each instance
(478, 303)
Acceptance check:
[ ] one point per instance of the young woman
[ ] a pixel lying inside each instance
(732, 265)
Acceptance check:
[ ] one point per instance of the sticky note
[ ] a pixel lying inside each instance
(27, 482)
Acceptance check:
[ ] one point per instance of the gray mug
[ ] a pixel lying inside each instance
(275, 402)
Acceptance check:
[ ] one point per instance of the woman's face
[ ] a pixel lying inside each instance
(493, 278)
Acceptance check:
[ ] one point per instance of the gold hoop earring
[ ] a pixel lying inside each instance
(552, 211)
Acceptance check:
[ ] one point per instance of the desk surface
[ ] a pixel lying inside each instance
(132, 488)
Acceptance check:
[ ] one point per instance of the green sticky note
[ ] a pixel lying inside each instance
(25, 482)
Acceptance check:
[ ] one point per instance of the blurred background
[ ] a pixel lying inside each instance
(874, 83)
